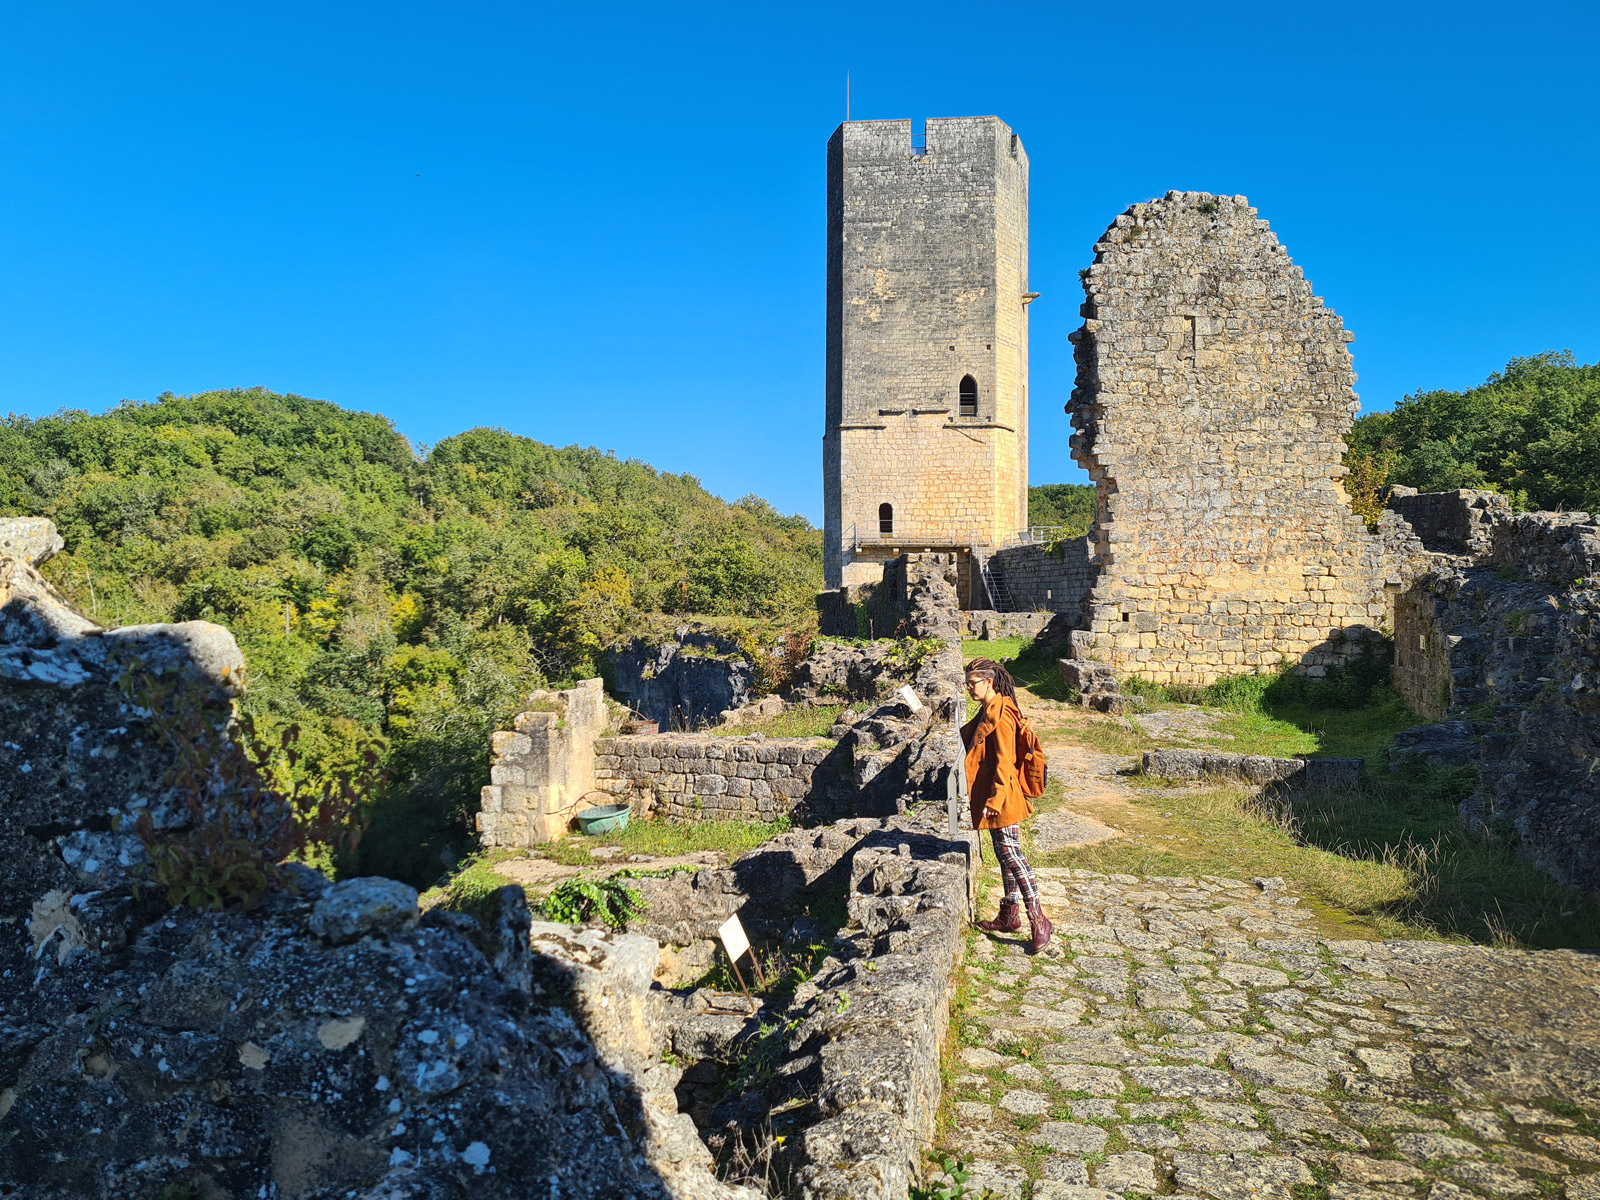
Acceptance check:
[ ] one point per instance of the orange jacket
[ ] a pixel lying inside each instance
(993, 778)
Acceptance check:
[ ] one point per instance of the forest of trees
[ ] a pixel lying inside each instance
(1531, 432)
(381, 598)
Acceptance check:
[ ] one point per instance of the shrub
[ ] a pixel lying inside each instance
(248, 813)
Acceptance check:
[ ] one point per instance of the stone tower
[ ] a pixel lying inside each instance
(1214, 392)
(926, 439)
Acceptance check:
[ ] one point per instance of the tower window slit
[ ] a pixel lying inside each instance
(885, 519)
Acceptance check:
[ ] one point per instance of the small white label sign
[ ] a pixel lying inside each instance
(733, 938)
(910, 698)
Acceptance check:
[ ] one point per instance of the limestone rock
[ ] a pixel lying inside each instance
(354, 908)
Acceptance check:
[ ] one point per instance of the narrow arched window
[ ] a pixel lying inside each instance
(885, 519)
(969, 396)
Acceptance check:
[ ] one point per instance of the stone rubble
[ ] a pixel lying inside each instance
(1195, 1037)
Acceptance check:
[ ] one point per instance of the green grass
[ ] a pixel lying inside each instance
(667, 838)
(1283, 728)
(474, 881)
(796, 723)
(1390, 857)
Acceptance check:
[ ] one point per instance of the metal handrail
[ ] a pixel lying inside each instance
(1034, 535)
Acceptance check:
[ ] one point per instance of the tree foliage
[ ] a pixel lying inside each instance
(1069, 506)
(381, 595)
(1531, 432)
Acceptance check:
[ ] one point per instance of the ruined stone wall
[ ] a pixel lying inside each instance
(1557, 548)
(1213, 395)
(542, 767)
(927, 275)
(1036, 579)
(1458, 522)
(1510, 669)
(1422, 654)
(699, 777)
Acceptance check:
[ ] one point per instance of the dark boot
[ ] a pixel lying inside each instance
(1009, 920)
(1041, 927)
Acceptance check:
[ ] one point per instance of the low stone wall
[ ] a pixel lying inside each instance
(1049, 580)
(854, 1062)
(990, 625)
(1254, 768)
(1556, 548)
(699, 777)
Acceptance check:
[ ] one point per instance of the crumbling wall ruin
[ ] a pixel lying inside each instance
(542, 767)
(1497, 641)
(1212, 399)
(333, 1042)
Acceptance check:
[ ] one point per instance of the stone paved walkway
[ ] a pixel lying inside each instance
(1194, 1037)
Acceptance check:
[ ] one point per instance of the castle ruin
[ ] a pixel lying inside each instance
(1214, 391)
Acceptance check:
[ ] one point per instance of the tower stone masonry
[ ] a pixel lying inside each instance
(926, 437)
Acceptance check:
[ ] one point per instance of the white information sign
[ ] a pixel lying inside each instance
(910, 698)
(733, 938)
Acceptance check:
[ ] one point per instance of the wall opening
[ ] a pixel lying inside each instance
(969, 396)
(885, 519)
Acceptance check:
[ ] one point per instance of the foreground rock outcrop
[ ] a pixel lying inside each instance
(331, 1043)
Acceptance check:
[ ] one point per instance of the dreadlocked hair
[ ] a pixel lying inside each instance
(987, 668)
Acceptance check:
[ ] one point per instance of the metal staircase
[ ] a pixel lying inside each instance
(994, 581)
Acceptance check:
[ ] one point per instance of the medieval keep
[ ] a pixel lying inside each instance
(926, 438)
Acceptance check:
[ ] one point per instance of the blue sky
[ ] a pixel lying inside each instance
(604, 224)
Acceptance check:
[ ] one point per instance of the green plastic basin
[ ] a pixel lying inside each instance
(608, 818)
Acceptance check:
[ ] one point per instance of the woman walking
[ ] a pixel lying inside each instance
(998, 804)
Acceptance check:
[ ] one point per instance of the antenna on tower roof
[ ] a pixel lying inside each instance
(847, 97)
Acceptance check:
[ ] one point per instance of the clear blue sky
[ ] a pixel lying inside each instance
(604, 223)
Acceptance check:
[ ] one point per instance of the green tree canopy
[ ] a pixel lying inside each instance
(1531, 432)
(381, 595)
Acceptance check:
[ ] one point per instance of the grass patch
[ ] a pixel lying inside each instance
(665, 839)
(1387, 858)
(468, 890)
(796, 723)
(1000, 649)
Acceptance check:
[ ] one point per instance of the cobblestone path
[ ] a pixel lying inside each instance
(1195, 1037)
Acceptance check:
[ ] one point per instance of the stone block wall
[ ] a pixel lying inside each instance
(542, 767)
(1212, 399)
(698, 777)
(1458, 522)
(1556, 548)
(1422, 646)
(1041, 580)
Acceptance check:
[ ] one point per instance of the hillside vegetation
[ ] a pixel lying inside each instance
(1531, 432)
(1067, 506)
(379, 597)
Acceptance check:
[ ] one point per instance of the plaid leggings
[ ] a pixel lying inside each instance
(1021, 886)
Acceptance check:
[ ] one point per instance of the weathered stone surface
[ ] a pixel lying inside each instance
(1273, 1096)
(542, 770)
(397, 1065)
(1212, 398)
(354, 908)
(1258, 769)
(1509, 669)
